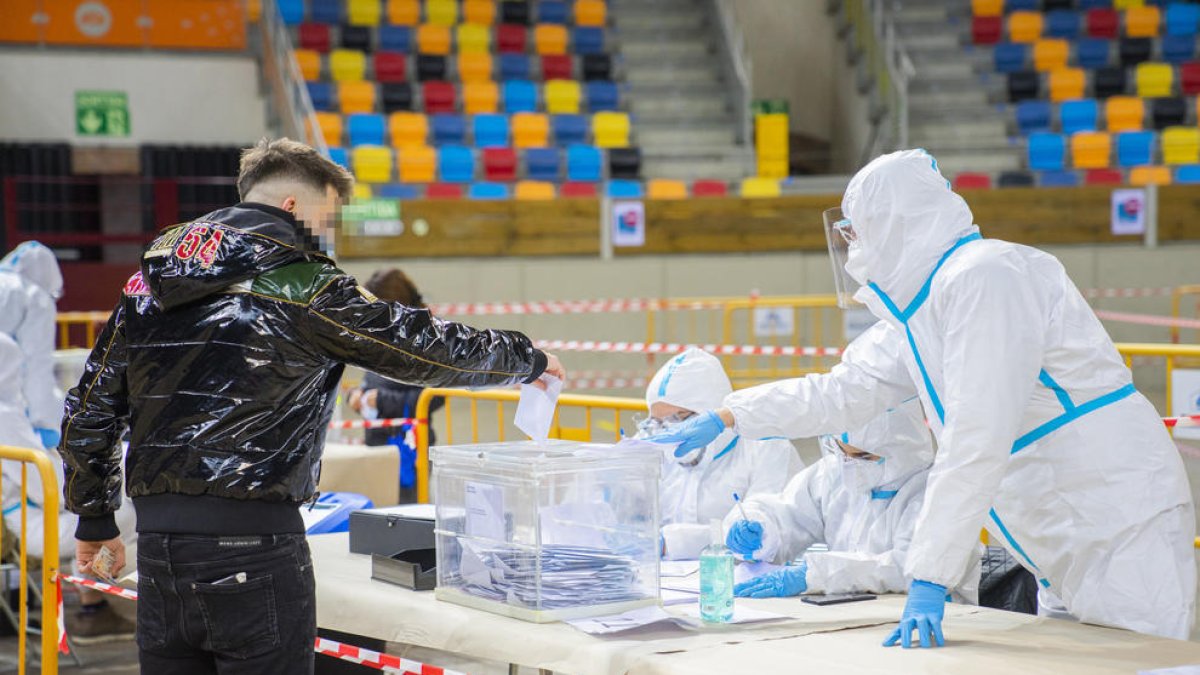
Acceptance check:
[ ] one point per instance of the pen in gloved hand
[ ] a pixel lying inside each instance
(738, 500)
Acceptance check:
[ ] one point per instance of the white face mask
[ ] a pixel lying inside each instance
(860, 475)
(856, 262)
(369, 412)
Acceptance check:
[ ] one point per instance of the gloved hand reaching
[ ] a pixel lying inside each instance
(745, 537)
(49, 437)
(782, 583)
(923, 612)
(694, 433)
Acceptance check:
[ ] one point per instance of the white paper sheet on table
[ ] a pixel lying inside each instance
(740, 615)
(649, 616)
(535, 409)
(678, 568)
(1179, 670)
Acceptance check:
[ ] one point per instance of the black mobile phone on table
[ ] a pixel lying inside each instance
(822, 600)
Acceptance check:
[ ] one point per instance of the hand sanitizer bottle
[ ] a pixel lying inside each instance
(716, 579)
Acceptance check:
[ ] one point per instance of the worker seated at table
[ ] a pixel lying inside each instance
(698, 486)
(861, 500)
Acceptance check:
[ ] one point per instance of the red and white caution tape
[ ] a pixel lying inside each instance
(375, 424)
(376, 660)
(1149, 319)
(127, 593)
(570, 306)
(1157, 292)
(1182, 421)
(675, 348)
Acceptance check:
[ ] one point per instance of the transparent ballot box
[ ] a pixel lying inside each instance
(550, 531)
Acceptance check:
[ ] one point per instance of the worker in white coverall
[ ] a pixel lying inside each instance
(1042, 437)
(861, 500)
(697, 486)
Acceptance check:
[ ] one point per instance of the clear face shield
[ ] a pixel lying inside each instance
(839, 234)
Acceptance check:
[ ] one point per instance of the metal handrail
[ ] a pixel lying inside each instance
(739, 66)
(293, 104)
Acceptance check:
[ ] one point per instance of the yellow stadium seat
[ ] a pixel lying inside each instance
(408, 128)
(362, 191)
(530, 130)
(404, 12)
(987, 7)
(1091, 149)
(611, 129)
(372, 163)
(1025, 26)
(433, 39)
(1124, 113)
(418, 164)
(1155, 80)
(347, 64)
(1181, 145)
(1150, 175)
(562, 97)
(479, 11)
(1067, 84)
(1126, 4)
(591, 12)
(1050, 54)
(475, 67)
(550, 38)
(310, 64)
(756, 186)
(1142, 21)
(480, 97)
(662, 188)
(356, 97)
(533, 191)
(364, 12)
(441, 12)
(331, 128)
(474, 38)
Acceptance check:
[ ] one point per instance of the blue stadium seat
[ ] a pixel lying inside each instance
(456, 164)
(321, 94)
(339, 156)
(569, 129)
(1033, 116)
(1092, 53)
(491, 131)
(552, 11)
(1095, 4)
(1009, 57)
(588, 40)
(514, 67)
(1081, 115)
(583, 163)
(542, 163)
(520, 96)
(398, 191)
(602, 95)
(1178, 48)
(1059, 179)
(1135, 148)
(1022, 5)
(366, 129)
(395, 39)
(292, 11)
(487, 191)
(1182, 19)
(1047, 152)
(448, 128)
(1188, 174)
(625, 189)
(327, 11)
(1062, 23)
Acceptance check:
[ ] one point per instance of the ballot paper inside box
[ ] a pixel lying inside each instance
(547, 531)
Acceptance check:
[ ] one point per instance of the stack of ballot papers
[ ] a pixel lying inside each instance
(571, 576)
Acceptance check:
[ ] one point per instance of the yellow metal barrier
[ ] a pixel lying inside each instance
(49, 628)
(1190, 353)
(89, 320)
(815, 321)
(595, 411)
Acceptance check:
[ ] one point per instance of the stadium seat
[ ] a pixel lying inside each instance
(1023, 85)
(1109, 81)
(481, 12)
(1103, 177)
(624, 163)
(587, 40)
(456, 164)
(610, 129)
(1182, 20)
(490, 131)
(487, 190)
(364, 12)
(403, 12)
(1025, 26)
(1181, 145)
(321, 95)
(756, 186)
(1067, 84)
(597, 67)
(1095, 4)
(1189, 78)
(1047, 151)
(1124, 113)
(326, 11)
(972, 181)
(1080, 115)
(448, 129)
(542, 163)
(1014, 179)
(1022, 5)
(500, 164)
(710, 188)
(398, 191)
(1132, 51)
(602, 95)
(408, 129)
(1135, 148)
(356, 97)
(1126, 4)
(986, 30)
(361, 191)
(583, 163)
(314, 36)
(441, 12)
(444, 191)
(1092, 53)
(1062, 23)
(1155, 80)
(417, 164)
(1008, 57)
(515, 11)
(372, 164)
(550, 38)
(551, 11)
(557, 67)
(987, 7)
(331, 127)
(591, 13)
(1058, 179)
(396, 96)
(1150, 175)
(481, 97)
(1188, 174)
(310, 64)
(1102, 23)
(578, 190)
(569, 129)
(292, 11)
(357, 38)
(396, 38)
(475, 67)
(1057, 5)
(662, 188)
(1091, 150)
(533, 191)
(347, 65)
(438, 97)
(1167, 112)
(1178, 48)
(520, 96)
(474, 39)
(433, 39)
(365, 129)
(624, 189)
(431, 67)
(1050, 54)
(562, 96)
(511, 38)
(1033, 116)
(514, 67)
(339, 157)
(390, 67)
(1142, 21)
(530, 130)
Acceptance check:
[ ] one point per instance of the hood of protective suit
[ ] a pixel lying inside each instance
(905, 217)
(694, 380)
(900, 436)
(36, 264)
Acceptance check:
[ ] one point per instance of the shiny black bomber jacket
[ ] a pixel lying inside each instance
(223, 358)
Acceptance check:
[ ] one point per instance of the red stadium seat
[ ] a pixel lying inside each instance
(511, 38)
(986, 30)
(315, 36)
(438, 96)
(1189, 77)
(444, 191)
(391, 67)
(577, 189)
(972, 181)
(1103, 177)
(556, 67)
(500, 164)
(1103, 23)
(709, 188)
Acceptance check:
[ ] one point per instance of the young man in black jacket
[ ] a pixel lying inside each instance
(223, 358)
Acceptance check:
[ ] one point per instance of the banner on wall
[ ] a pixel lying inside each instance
(160, 24)
(628, 223)
(1129, 211)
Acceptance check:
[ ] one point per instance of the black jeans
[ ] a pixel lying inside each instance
(225, 605)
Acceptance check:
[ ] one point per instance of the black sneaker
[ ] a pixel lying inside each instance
(95, 624)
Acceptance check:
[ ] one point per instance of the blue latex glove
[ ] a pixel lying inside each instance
(924, 611)
(694, 433)
(50, 437)
(782, 583)
(745, 537)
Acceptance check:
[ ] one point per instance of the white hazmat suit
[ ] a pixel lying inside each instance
(30, 284)
(1042, 437)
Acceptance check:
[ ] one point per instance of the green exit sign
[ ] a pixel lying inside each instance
(101, 113)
